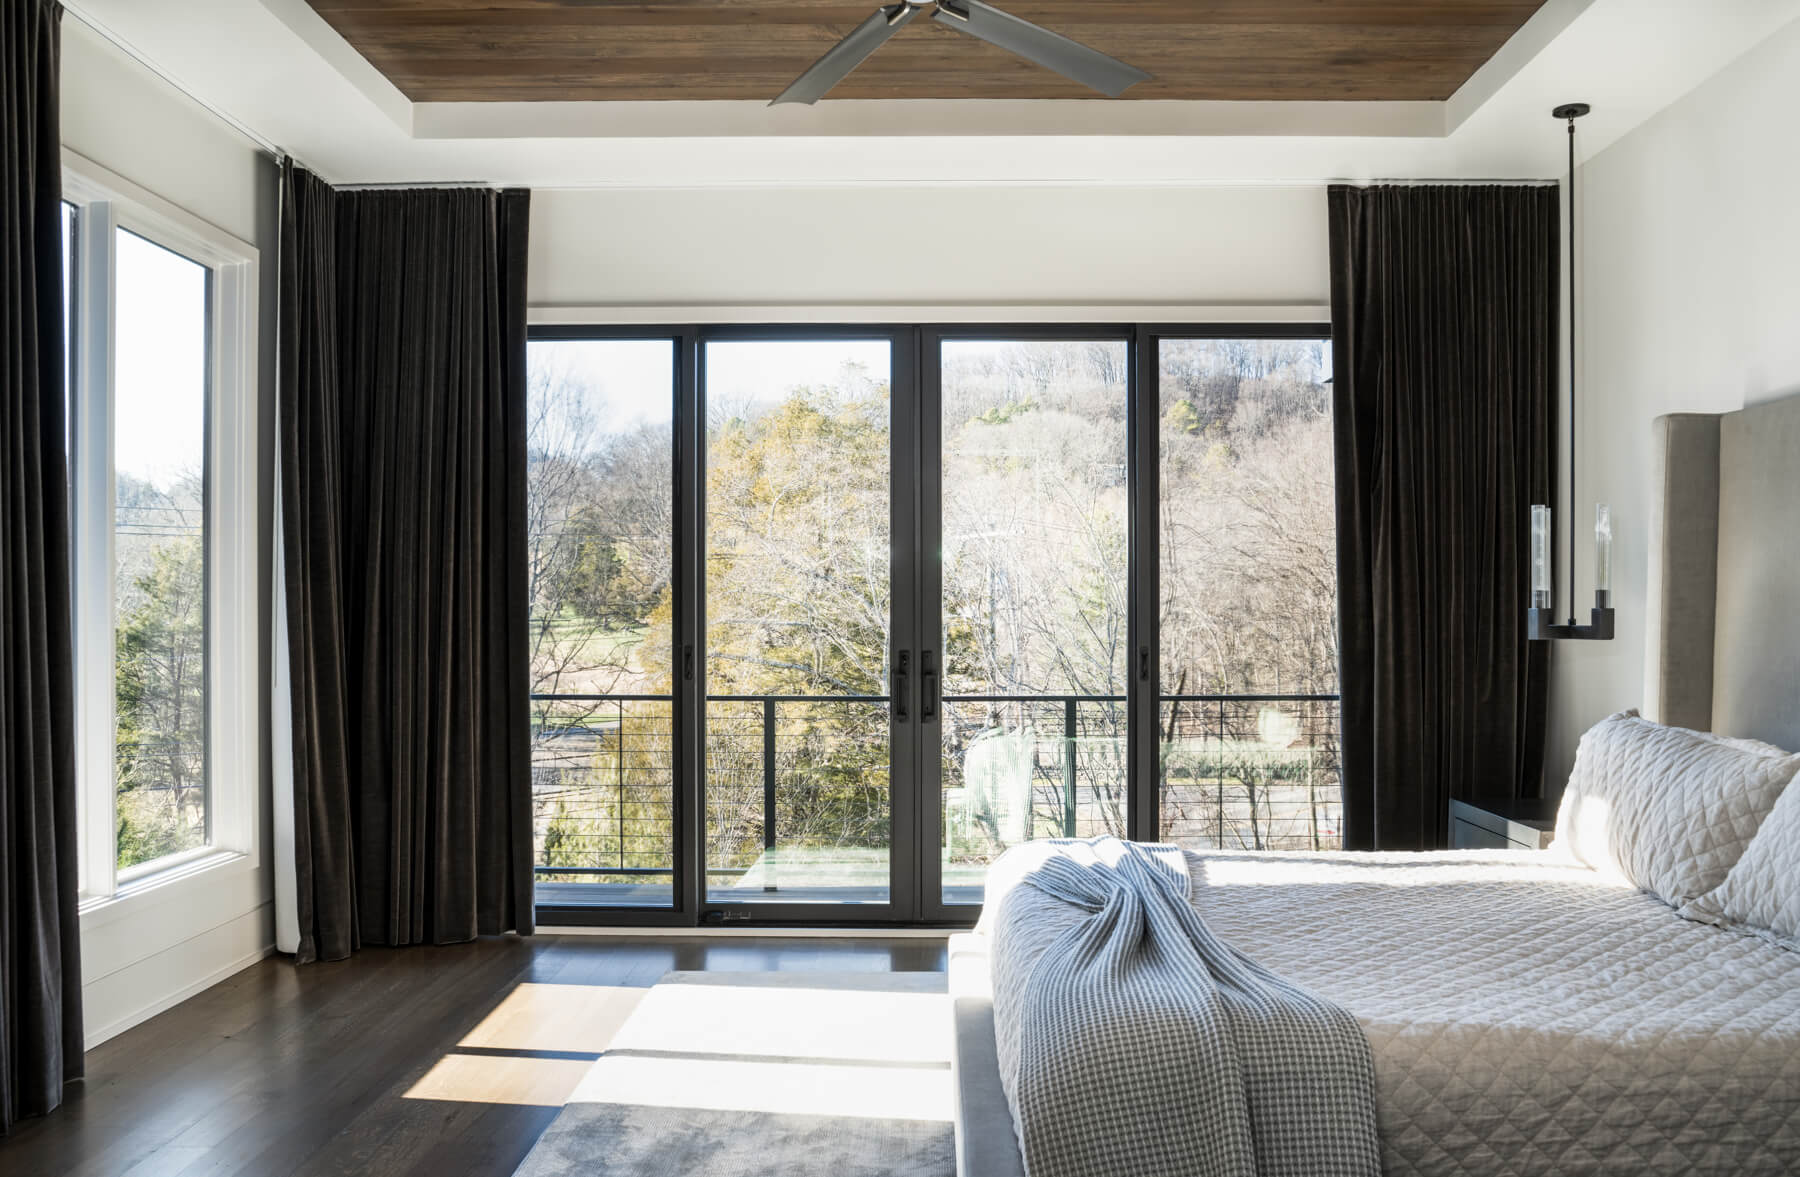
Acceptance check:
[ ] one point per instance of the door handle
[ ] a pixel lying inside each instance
(1143, 663)
(901, 659)
(929, 704)
(687, 663)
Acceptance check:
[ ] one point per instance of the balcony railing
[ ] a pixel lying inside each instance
(603, 788)
(1251, 772)
(789, 774)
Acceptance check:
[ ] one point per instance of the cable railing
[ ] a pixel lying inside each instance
(603, 787)
(787, 773)
(1250, 772)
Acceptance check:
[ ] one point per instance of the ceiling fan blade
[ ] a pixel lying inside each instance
(1051, 50)
(847, 54)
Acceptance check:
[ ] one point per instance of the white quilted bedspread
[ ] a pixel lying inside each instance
(1529, 1015)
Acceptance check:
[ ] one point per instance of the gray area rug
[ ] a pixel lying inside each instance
(747, 1074)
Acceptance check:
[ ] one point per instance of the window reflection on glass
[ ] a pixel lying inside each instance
(1247, 714)
(159, 548)
(798, 552)
(1036, 569)
(600, 530)
(68, 320)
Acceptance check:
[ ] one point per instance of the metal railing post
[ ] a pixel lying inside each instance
(1219, 781)
(1069, 767)
(619, 779)
(769, 790)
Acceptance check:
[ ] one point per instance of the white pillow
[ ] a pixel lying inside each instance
(1670, 809)
(1762, 892)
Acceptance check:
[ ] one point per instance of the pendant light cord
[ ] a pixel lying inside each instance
(1571, 523)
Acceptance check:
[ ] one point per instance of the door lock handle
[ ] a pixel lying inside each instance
(901, 660)
(928, 706)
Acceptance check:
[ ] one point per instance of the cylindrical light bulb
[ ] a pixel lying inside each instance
(1602, 548)
(1540, 556)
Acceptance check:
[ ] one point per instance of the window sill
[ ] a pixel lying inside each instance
(163, 884)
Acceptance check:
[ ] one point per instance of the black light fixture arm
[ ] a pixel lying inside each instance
(1542, 621)
(1572, 112)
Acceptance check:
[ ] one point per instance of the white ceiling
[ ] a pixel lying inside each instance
(275, 68)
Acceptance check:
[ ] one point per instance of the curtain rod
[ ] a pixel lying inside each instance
(401, 186)
(1511, 182)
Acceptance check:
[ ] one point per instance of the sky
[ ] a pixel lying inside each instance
(631, 380)
(764, 370)
(159, 377)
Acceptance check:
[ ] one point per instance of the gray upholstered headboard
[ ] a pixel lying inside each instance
(1723, 608)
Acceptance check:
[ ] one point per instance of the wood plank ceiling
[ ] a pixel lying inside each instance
(598, 50)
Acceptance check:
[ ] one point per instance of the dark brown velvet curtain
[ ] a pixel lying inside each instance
(1444, 341)
(40, 966)
(402, 434)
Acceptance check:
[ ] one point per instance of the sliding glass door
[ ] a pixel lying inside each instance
(825, 619)
(802, 539)
(1247, 708)
(1032, 598)
(600, 502)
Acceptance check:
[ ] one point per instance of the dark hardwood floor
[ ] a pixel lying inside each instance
(430, 1061)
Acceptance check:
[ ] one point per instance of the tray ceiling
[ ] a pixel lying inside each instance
(602, 50)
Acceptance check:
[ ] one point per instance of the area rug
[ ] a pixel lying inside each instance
(747, 1074)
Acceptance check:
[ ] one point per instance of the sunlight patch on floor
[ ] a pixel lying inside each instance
(564, 1018)
(791, 1021)
(533, 1049)
(500, 1079)
(781, 1086)
(801, 1045)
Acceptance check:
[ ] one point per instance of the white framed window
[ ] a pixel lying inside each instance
(161, 314)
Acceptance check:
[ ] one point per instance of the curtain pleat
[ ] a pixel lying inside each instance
(40, 968)
(403, 497)
(1444, 343)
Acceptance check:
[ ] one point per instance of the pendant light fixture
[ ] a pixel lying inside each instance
(1541, 616)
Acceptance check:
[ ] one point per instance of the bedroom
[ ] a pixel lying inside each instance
(836, 496)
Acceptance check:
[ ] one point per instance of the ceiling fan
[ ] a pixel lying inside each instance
(1051, 50)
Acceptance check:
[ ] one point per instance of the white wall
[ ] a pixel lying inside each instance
(121, 115)
(1016, 245)
(1690, 260)
(143, 954)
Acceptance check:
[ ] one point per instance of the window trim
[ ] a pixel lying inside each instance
(105, 202)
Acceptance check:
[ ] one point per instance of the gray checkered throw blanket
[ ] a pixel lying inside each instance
(1133, 1041)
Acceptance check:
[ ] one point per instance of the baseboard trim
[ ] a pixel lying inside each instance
(169, 1001)
(759, 933)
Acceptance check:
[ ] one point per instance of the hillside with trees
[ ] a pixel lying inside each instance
(1035, 590)
(159, 679)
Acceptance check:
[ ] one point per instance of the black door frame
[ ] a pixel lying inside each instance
(902, 689)
(915, 454)
(932, 907)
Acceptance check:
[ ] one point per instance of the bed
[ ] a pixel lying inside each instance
(1527, 1014)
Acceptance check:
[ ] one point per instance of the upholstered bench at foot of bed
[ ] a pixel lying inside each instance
(986, 1145)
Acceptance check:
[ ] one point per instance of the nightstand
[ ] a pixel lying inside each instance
(1501, 824)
